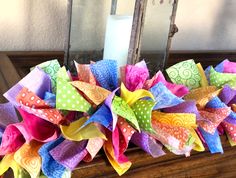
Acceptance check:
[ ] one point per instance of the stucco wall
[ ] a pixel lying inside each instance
(40, 25)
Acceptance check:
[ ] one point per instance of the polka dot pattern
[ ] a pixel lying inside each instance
(213, 117)
(143, 110)
(126, 131)
(220, 79)
(31, 103)
(67, 97)
(231, 130)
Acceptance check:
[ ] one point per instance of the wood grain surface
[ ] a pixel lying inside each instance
(199, 164)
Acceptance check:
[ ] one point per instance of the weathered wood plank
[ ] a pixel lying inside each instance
(3, 88)
(8, 75)
(8, 70)
(136, 33)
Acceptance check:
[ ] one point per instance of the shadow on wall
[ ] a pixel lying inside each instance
(46, 24)
(32, 25)
(223, 31)
(88, 24)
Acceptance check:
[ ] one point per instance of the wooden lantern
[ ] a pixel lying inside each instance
(138, 25)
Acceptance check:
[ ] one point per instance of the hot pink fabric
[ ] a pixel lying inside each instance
(229, 67)
(13, 138)
(31, 128)
(136, 75)
(178, 90)
(118, 145)
(39, 129)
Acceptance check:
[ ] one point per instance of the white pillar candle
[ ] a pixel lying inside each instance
(117, 38)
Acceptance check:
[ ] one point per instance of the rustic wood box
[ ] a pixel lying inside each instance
(14, 65)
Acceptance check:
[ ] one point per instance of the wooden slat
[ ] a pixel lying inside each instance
(3, 88)
(170, 34)
(23, 59)
(8, 75)
(137, 30)
(8, 70)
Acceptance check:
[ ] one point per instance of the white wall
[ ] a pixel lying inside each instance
(206, 25)
(40, 25)
(32, 24)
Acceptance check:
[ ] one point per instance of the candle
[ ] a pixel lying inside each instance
(117, 38)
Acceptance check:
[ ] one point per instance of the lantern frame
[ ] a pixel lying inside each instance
(136, 31)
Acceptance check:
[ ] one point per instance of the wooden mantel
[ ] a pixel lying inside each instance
(199, 164)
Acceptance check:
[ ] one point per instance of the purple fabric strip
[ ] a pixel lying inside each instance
(7, 114)
(227, 94)
(108, 102)
(233, 101)
(148, 144)
(1, 133)
(36, 81)
(70, 153)
(185, 107)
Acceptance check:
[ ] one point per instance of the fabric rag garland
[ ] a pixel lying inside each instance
(65, 120)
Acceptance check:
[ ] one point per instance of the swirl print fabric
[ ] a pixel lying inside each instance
(186, 73)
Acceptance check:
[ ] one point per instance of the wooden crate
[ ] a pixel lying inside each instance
(199, 164)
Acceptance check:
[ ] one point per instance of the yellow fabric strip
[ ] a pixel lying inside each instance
(202, 95)
(183, 120)
(176, 119)
(132, 97)
(9, 162)
(120, 168)
(74, 133)
(198, 143)
(232, 143)
(28, 158)
(203, 81)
